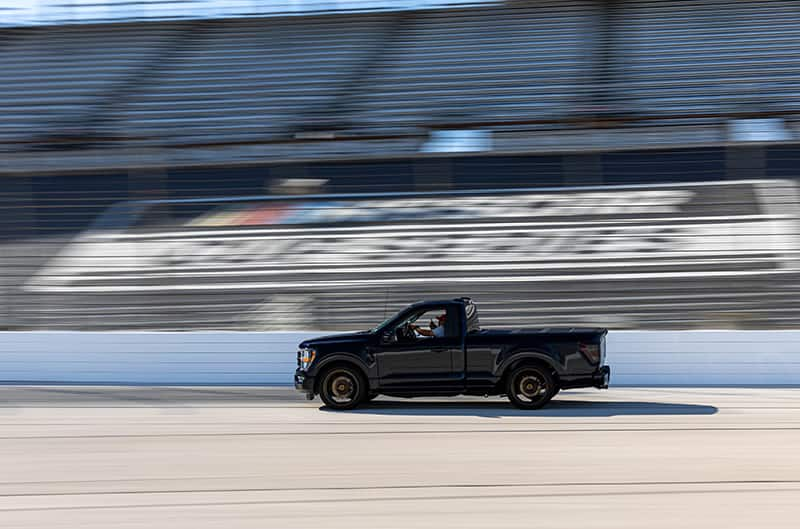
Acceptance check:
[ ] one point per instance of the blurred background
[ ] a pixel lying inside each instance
(311, 165)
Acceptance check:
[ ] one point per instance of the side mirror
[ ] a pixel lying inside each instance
(388, 337)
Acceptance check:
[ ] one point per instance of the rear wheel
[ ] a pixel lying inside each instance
(531, 387)
(342, 388)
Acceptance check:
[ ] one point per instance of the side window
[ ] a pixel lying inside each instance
(435, 323)
(430, 323)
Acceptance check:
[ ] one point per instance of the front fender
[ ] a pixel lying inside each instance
(342, 357)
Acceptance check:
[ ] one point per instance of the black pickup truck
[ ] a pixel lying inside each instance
(436, 348)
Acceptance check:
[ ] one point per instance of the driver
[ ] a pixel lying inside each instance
(435, 332)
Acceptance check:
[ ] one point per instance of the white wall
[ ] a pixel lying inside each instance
(704, 357)
(636, 358)
(149, 357)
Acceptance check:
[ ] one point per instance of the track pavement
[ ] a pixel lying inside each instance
(262, 457)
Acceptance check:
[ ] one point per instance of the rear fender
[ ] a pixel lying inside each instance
(522, 356)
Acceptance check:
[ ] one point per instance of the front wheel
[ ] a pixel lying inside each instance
(342, 388)
(531, 387)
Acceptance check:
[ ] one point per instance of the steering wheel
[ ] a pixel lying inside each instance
(406, 333)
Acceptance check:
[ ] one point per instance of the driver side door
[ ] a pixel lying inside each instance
(423, 365)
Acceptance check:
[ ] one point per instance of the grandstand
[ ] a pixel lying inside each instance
(524, 69)
(565, 92)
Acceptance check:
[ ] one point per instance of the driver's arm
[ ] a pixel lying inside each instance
(422, 331)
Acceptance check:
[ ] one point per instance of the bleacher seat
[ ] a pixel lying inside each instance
(54, 77)
(260, 79)
(251, 79)
(698, 56)
(531, 61)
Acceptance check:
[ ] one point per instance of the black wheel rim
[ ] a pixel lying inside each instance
(531, 387)
(342, 388)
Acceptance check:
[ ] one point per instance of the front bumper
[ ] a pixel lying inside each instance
(304, 383)
(601, 377)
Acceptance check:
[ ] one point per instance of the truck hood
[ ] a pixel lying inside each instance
(336, 338)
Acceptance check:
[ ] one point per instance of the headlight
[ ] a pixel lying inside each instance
(306, 357)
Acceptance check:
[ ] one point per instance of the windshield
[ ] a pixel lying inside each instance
(407, 317)
(384, 322)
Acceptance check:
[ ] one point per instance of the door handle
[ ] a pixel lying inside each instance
(440, 349)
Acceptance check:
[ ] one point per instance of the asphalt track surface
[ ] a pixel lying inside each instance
(261, 458)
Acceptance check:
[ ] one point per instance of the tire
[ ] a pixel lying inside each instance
(530, 387)
(343, 388)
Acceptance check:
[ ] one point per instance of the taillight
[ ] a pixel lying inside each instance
(591, 351)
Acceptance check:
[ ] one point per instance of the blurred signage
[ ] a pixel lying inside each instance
(321, 211)
(762, 129)
(720, 229)
(458, 141)
(42, 12)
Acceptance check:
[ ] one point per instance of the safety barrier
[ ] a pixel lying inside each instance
(637, 358)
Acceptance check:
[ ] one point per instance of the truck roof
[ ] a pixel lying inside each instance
(463, 300)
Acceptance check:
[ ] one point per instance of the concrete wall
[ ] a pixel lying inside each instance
(701, 358)
(149, 357)
(637, 358)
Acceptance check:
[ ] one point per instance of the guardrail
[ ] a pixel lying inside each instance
(638, 358)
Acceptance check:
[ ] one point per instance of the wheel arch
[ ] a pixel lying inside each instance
(340, 360)
(527, 358)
